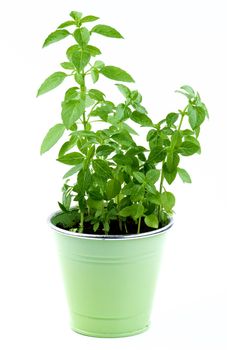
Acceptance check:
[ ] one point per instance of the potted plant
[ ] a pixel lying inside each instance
(115, 209)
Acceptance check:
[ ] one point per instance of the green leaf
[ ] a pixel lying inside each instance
(66, 24)
(67, 65)
(96, 94)
(56, 36)
(76, 15)
(141, 119)
(80, 59)
(61, 206)
(102, 169)
(89, 19)
(71, 94)
(153, 175)
(172, 161)
(124, 90)
(176, 139)
(157, 154)
(52, 137)
(51, 82)
(124, 138)
(113, 188)
(137, 193)
(107, 31)
(82, 36)
(196, 116)
(104, 151)
(169, 175)
(140, 177)
(71, 112)
(73, 171)
(122, 160)
(168, 201)
(171, 118)
(93, 50)
(151, 221)
(188, 148)
(189, 90)
(116, 73)
(95, 75)
(184, 175)
(135, 211)
(73, 158)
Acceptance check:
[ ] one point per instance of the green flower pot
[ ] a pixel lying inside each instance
(109, 280)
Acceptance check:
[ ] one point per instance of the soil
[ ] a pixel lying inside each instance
(114, 228)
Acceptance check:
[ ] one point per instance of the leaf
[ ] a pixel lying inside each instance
(184, 175)
(67, 65)
(134, 210)
(169, 175)
(51, 82)
(102, 169)
(89, 19)
(61, 206)
(172, 161)
(73, 158)
(71, 112)
(80, 59)
(104, 151)
(56, 36)
(188, 148)
(93, 50)
(137, 193)
(140, 177)
(71, 94)
(124, 90)
(52, 137)
(151, 221)
(76, 15)
(121, 159)
(171, 118)
(95, 75)
(189, 90)
(141, 119)
(96, 94)
(113, 188)
(196, 116)
(157, 154)
(82, 36)
(66, 24)
(116, 73)
(124, 138)
(167, 200)
(153, 175)
(73, 171)
(176, 139)
(106, 31)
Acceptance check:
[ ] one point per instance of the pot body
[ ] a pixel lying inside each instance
(110, 283)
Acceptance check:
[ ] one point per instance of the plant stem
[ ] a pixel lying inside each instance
(160, 191)
(125, 226)
(139, 225)
(182, 118)
(81, 222)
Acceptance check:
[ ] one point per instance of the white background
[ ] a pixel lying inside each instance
(168, 43)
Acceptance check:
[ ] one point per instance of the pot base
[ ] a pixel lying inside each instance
(110, 335)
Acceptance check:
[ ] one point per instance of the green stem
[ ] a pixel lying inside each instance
(81, 222)
(182, 118)
(125, 226)
(160, 191)
(139, 225)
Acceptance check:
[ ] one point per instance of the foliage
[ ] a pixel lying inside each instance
(111, 176)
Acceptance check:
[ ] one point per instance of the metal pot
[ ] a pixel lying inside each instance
(109, 280)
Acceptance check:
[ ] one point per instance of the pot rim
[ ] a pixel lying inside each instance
(107, 237)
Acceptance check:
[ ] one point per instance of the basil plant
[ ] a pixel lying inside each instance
(111, 178)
